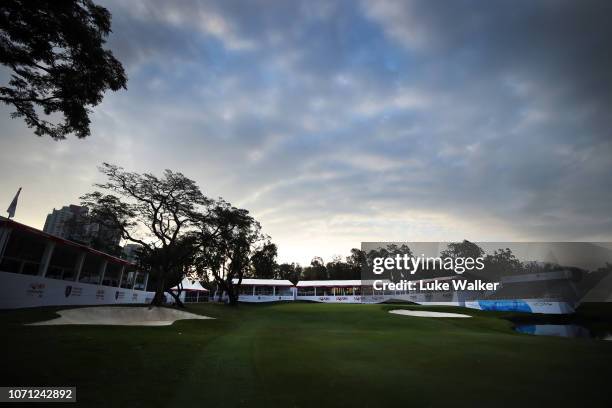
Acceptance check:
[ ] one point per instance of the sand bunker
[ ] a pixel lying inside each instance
(121, 316)
(418, 313)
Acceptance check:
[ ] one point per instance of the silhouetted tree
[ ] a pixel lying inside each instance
(391, 251)
(316, 270)
(157, 213)
(465, 249)
(228, 237)
(54, 49)
(181, 254)
(338, 269)
(357, 259)
(502, 263)
(289, 271)
(264, 261)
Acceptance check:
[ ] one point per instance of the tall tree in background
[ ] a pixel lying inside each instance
(464, 249)
(357, 261)
(502, 263)
(316, 270)
(338, 269)
(158, 213)
(228, 238)
(290, 271)
(264, 261)
(59, 65)
(390, 251)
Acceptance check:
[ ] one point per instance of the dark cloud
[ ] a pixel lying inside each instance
(337, 122)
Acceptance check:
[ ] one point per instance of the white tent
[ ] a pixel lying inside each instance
(192, 292)
(264, 282)
(329, 283)
(189, 284)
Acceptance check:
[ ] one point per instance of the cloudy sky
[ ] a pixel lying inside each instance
(341, 122)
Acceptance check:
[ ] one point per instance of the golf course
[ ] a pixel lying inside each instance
(307, 355)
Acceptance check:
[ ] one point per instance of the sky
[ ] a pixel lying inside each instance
(337, 122)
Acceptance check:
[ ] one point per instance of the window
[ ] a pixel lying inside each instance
(323, 291)
(191, 296)
(112, 274)
(127, 281)
(90, 273)
(194, 296)
(63, 263)
(10, 265)
(367, 291)
(23, 253)
(306, 291)
(140, 281)
(283, 291)
(246, 290)
(264, 290)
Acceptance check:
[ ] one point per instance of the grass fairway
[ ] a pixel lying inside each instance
(307, 355)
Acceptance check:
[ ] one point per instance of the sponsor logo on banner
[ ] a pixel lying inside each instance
(134, 296)
(73, 291)
(100, 294)
(35, 289)
(119, 295)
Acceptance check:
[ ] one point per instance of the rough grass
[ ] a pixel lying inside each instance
(307, 355)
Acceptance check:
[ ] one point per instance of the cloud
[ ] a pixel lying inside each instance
(336, 123)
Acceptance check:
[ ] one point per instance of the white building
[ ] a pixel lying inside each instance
(62, 223)
(264, 290)
(39, 269)
(74, 223)
(335, 291)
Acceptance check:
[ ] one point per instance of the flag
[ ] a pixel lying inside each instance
(13, 206)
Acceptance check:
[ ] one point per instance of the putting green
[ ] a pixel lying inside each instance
(305, 355)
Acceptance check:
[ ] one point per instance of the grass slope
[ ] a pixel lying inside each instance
(307, 355)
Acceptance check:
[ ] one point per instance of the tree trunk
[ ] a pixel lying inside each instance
(158, 299)
(231, 296)
(177, 299)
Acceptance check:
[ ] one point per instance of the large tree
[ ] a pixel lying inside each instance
(228, 238)
(464, 249)
(502, 263)
(264, 261)
(289, 271)
(59, 66)
(316, 270)
(159, 213)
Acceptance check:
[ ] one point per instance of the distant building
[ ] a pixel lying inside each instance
(74, 223)
(130, 252)
(69, 222)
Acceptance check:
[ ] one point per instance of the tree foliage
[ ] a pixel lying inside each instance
(55, 51)
(155, 212)
(290, 271)
(228, 239)
(264, 261)
(502, 263)
(464, 249)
